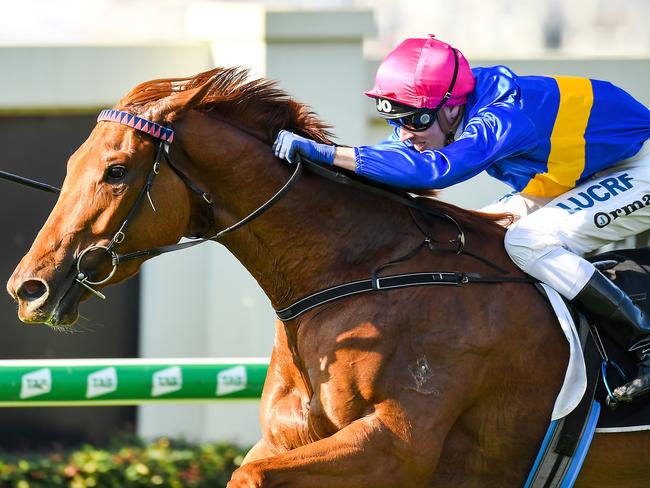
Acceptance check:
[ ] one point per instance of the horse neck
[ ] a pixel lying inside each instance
(320, 234)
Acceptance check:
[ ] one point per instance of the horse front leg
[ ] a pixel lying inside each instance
(260, 450)
(373, 451)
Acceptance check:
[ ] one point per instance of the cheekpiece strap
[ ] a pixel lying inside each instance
(156, 130)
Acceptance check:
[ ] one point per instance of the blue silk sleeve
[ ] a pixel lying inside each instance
(494, 133)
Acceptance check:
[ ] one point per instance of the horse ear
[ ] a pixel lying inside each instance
(182, 101)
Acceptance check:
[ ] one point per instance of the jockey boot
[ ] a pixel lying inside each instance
(624, 323)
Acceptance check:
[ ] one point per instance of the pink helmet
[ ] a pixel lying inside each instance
(423, 73)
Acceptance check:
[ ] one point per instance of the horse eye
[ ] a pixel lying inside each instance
(115, 173)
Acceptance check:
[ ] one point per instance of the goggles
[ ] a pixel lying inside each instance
(418, 121)
(411, 118)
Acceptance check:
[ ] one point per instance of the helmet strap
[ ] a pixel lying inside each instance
(446, 127)
(449, 138)
(449, 130)
(452, 84)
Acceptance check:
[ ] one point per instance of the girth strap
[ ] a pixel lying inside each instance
(389, 283)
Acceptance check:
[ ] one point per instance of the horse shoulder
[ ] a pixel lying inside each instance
(360, 364)
(345, 362)
(341, 368)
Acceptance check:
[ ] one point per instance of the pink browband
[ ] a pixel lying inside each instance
(144, 125)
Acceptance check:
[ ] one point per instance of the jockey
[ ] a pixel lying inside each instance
(575, 151)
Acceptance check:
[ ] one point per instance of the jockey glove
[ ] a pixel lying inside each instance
(288, 144)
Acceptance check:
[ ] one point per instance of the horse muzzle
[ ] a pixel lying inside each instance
(39, 304)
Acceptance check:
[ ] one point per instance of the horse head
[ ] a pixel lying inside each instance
(108, 183)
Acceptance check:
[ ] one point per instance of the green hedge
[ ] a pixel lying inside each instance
(161, 464)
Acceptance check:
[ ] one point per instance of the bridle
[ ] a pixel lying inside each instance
(165, 136)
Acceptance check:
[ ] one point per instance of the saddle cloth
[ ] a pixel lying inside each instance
(575, 378)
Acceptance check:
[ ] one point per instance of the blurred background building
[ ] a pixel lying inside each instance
(63, 61)
(498, 28)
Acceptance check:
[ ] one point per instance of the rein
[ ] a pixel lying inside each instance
(156, 251)
(21, 180)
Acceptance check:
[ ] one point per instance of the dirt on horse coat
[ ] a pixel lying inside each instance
(427, 386)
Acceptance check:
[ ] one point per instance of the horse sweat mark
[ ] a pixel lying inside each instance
(421, 373)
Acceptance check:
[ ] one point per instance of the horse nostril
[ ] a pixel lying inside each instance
(31, 290)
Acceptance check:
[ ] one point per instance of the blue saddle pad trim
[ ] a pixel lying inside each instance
(540, 454)
(564, 474)
(583, 447)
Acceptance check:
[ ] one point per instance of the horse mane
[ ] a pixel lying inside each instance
(260, 103)
(229, 93)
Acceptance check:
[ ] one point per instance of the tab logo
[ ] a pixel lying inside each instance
(36, 383)
(166, 381)
(101, 382)
(231, 380)
(600, 192)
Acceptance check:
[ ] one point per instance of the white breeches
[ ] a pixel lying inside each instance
(549, 235)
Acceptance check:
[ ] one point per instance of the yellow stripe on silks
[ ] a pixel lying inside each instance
(566, 160)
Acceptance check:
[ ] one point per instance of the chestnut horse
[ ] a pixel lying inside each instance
(448, 386)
